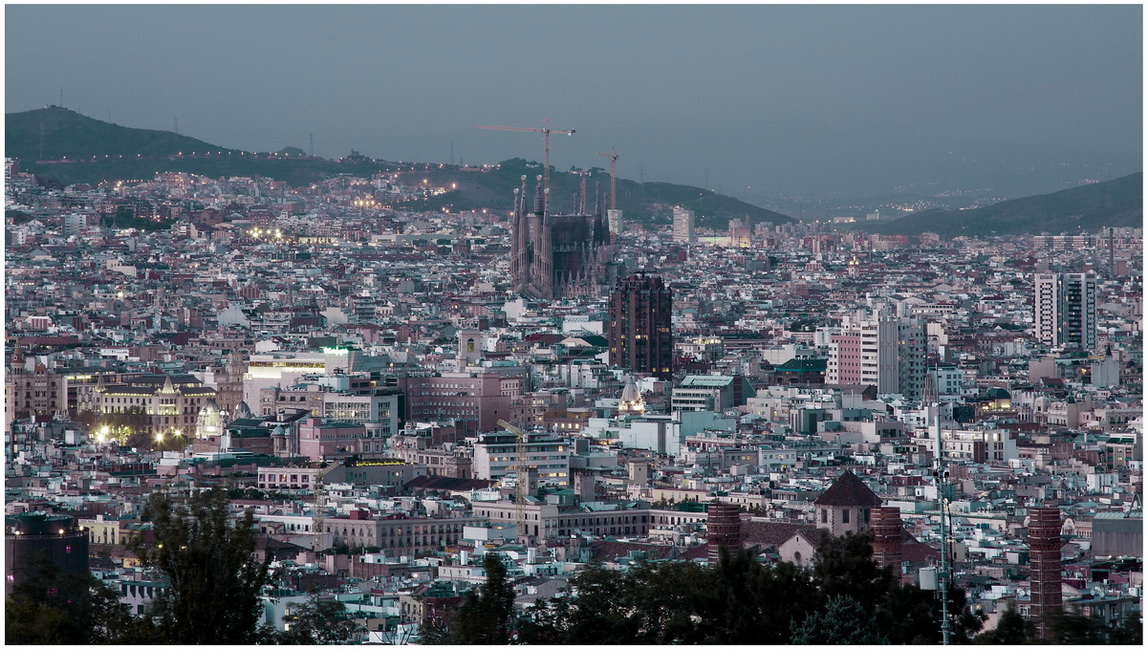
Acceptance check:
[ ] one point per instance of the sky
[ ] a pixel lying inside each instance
(743, 99)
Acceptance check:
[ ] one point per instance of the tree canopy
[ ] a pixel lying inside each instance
(214, 580)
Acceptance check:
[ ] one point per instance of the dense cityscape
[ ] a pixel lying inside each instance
(404, 412)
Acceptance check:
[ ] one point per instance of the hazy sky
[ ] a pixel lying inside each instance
(800, 98)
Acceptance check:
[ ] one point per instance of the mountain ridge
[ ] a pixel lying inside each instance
(67, 147)
(1118, 202)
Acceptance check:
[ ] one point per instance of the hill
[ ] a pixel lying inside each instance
(55, 133)
(1089, 207)
(66, 147)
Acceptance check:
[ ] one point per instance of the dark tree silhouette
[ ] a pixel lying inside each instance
(486, 615)
(208, 562)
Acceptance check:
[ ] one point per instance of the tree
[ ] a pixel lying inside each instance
(597, 614)
(1128, 632)
(77, 609)
(319, 621)
(842, 621)
(844, 567)
(1072, 628)
(751, 602)
(214, 581)
(486, 615)
(1011, 629)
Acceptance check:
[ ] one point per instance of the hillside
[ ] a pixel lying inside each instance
(1088, 207)
(55, 133)
(66, 147)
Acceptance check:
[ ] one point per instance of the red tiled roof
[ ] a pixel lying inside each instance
(768, 534)
(849, 491)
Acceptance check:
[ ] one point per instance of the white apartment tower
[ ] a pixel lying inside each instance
(1065, 310)
(884, 351)
(683, 226)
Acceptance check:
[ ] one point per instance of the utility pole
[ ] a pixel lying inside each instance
(942, 500)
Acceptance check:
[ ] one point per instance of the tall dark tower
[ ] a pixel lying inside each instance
(641, 326)
(1045, 543)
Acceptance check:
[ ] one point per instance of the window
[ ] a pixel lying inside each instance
(844, 516)
(824, 515)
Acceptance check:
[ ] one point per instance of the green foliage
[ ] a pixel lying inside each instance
(844, 598)
(842, 621)
(909, 614)
(844, 567)
(74, 610)
(1071, 628)
(209, 565)
(1011, 629)
(1128, 632)
(319, 621)
(486, 615)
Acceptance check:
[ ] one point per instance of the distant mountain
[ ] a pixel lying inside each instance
(56, 133)
(66, 147)
(1088, 207)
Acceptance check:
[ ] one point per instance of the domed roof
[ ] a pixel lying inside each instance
(210, 407)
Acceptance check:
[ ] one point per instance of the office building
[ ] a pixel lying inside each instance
(640, 325)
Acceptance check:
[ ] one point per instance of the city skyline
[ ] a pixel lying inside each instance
(745, 100)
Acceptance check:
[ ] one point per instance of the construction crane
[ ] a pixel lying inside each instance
(520, 468)
(317, 518)
(612, 155)
(545, 131)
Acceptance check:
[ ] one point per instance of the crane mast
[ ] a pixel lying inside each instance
(545, 131)
(521, 469)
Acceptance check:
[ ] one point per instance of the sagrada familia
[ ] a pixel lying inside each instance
(556, 256)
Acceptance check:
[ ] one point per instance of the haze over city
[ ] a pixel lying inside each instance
(823, 328)
(747, 100)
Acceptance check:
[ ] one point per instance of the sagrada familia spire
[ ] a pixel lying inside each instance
(558, 255)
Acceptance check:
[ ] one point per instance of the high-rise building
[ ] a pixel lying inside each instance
(557, 255)
(1065, 310)
(683, 226)
(640, 325)
(886, 352)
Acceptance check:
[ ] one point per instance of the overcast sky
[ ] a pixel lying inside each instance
(777, 98)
